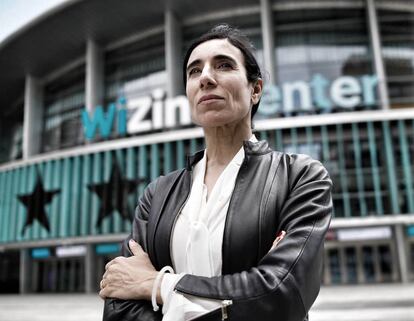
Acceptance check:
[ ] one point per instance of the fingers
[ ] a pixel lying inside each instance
(278, 238)
(135, 248)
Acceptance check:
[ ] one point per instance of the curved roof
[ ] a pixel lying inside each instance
(59, 35)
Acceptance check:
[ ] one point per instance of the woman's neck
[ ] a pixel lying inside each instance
(224, 142)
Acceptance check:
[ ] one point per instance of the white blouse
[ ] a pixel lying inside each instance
(197, 239)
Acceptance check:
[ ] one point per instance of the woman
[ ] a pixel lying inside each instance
(216, 221)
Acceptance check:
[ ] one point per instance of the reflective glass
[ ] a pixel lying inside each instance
(323, 61)
(397, 37)
(64, 100)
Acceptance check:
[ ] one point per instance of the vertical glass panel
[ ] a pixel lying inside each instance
(64, 99)
(368, 263)
(318, 53)
(351, 264)
(397, 37)
(11, 133)
(386, 263)
(135, 71)
(334, 266)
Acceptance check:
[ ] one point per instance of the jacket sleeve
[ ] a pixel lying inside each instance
(134, 310)
(286, 281)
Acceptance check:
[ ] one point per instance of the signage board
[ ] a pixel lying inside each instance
(67, 251)
(154, 112)
(364, 233)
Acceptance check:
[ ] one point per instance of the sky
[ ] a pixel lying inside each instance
(16, 13)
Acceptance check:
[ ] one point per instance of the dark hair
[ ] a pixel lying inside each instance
(237, 39)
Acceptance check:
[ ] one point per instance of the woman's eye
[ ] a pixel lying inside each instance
(193, 71)
(224, 65)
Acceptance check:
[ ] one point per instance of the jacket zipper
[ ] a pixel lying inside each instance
(224, 305)
(180, 210)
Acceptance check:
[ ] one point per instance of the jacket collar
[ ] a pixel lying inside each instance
(250, 148)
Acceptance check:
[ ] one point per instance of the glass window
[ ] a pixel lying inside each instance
(397, 37)
(64, 100)
(334, 266)
(321, 54)
(11, 134)
(133, 71)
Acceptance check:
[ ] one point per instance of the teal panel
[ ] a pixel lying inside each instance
(131, 173)
(8, 197)
(180, 154)
(37, 227)
(264, 135)
(14, 203)
(21, 209)
(193, 145)
(406, 165)
(57, 199)
(107, 166)
(168, 158)
(155, 162)
(391, 174)
(28, 235)
(342, 170)
(375, 169)
(48, 184)
(87, 195)
(4, 203)
(359, 170)
(142, 174)
(76, 198)
(66, 198)
(96, 203)
(325, 144)
(122, 160)
(279, 140)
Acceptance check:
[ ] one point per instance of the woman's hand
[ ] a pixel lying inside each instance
(129, 278)
(278, 238)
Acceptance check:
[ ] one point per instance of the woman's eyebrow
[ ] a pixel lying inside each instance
(225, 57)
(217, 57)
(193, 63)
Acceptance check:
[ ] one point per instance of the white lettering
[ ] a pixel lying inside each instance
(137, 123)
(303, 101)
(172, 105)
(345, 92)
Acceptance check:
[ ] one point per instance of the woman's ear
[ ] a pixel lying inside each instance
(257, 91)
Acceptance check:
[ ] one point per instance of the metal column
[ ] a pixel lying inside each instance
(90, 271)
(25, 271)
(173, 52)
(377, 55)
(268, 42)
(402, 253)
(94, 86)
(33, 117)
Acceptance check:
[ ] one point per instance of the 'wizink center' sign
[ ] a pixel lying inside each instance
(156, 112)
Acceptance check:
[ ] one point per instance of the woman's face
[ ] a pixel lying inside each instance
(217, 86)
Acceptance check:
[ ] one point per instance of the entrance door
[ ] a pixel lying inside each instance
(358, 263)
(59, 275)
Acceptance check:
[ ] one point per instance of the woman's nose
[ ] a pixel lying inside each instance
(207, 77)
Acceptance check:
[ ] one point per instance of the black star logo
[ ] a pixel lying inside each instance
(114, 194)
(35, 203)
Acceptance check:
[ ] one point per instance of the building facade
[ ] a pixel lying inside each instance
(93, 109)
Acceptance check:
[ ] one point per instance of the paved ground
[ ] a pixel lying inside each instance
(393, 302)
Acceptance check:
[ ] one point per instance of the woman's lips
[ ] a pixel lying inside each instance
(207, 98)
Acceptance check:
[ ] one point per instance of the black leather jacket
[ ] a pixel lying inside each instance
(274, 191)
